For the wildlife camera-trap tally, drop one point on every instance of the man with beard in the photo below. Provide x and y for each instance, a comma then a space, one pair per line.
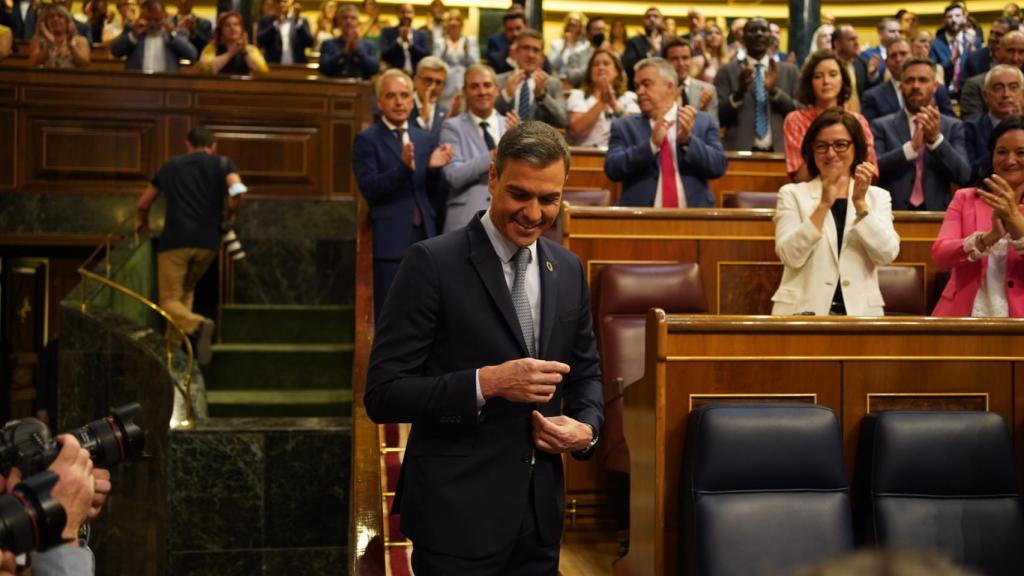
486, 346
152, 44
755, 93
665, 157
474, 137
886, 98
1009, 51
396, 167
529, 90
951, 46
646, 45
1004, 88
920, 152
401, 46
498, 45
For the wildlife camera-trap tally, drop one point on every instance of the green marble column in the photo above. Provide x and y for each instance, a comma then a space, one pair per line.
804, 16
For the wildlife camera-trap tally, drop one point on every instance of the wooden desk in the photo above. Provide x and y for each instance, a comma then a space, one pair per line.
854, 366
735, 248
90, 132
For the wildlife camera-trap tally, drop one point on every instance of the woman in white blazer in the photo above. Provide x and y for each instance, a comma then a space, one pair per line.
830, 269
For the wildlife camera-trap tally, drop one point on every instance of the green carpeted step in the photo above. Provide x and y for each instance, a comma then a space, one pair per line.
282, 323
279, 403
279, 367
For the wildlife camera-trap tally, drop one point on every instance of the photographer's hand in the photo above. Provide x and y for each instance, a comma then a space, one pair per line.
75, 487
7, 564
101, 478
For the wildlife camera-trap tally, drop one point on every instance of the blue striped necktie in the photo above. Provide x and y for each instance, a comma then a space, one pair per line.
525, 111
520, 300
760, 103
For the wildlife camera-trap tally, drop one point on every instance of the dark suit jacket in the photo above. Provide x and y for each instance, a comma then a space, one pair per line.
362, 63
630, 160
392, 190
976, 134
739, 122
440, 114
392, 53
22, 29
203, 35
978, 62
497, 53
636, 50
864, 82
942, 55
176, 47
869, 53
268, 38
881, 100
943, 166
466, 479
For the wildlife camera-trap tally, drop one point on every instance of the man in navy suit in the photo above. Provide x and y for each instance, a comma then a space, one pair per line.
284, 37
981, 60
886, 98
151, 44
20, 18
951, 47
888, 32
401, 46
1004, 88
920, 152
513, 22
1010, 51
486, 346
431, 75
646, 45
397, 168
349, 56
665, 157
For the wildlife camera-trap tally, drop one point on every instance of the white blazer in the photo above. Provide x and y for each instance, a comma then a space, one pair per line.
813, 265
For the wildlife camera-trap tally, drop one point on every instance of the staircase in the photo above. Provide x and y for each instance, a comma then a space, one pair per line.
281, 361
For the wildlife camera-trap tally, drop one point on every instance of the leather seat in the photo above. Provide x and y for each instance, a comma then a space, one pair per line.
942, 481
625, 293
750, 200
578, 197
902, 289
764, 489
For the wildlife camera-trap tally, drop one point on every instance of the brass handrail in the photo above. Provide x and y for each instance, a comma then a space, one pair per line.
85, 273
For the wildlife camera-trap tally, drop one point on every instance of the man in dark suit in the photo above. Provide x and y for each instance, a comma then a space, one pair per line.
1004, 88
888, 32
200, 30
513, 22
284, 37
401, 46
756, 87
982, 59
886, 98
397, 168
665, 157
920, 152
486, 346
427, 114
863, 73
1010, 51
20, 18
349, 56
152, 44
952, 45
646, 45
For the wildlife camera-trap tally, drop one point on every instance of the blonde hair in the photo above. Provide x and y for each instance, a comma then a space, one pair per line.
47, 9
577, 16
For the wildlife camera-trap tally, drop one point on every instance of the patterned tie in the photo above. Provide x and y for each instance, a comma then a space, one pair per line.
917, 192
669, 193
955, 57
760, 103
525, 111
488, 139
399, 132
520, 300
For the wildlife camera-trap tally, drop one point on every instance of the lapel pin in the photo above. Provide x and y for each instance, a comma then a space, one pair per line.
551, 267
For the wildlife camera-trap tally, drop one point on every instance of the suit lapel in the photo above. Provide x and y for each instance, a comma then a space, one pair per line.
548, 297
390, 142
487, 265
982, 215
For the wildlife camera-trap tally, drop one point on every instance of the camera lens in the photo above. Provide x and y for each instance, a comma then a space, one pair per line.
30, 519
114, 439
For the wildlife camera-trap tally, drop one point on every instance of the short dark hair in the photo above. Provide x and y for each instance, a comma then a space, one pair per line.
592, 20
1010, 22
917, 62
534, 142
151, 3
201, 138
1011, 123
952, 6
805, 88
513, 14
831, 117
676, 43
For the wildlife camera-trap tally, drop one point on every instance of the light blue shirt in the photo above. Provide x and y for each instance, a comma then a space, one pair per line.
64, 561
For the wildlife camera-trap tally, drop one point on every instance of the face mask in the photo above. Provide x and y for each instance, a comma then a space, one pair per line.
597, 40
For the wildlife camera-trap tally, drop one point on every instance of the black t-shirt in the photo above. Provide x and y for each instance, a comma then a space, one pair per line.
194, 187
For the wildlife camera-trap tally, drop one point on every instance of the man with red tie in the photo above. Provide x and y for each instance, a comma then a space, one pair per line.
920, 152
665, 157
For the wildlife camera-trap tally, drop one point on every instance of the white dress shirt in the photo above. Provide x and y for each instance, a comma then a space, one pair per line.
672, 116
765, 62
908, 148
991, 300
404, 127
492, 126
506, 250
153, 57
285, 29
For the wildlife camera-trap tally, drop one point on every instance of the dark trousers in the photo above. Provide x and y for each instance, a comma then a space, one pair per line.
384, 272
526, 556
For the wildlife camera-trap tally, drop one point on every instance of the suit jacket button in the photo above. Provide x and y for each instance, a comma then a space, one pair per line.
846, 283
526, 459
1010, 284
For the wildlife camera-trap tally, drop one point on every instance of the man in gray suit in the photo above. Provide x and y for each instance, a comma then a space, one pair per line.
152, 44
755, 94
528, 90
697, 93
474, 136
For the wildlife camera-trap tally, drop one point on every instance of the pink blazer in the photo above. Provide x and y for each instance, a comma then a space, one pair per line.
967, 214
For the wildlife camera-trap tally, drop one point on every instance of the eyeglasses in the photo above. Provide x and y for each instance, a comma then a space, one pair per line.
839, 146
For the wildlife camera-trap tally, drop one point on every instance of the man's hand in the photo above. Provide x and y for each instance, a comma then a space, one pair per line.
102, 484
142, 222
874, 64
660, 130
441, 156
512, 83
770, 77
746, 80
409, 156
523, 380
456, 105
139, 27
75, 487
403, 33
559, 434
686, 120
8, 565
705, 99
540, 83
512, 119
930, 122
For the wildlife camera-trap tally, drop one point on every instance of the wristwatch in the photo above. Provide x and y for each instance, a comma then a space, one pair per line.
590, 447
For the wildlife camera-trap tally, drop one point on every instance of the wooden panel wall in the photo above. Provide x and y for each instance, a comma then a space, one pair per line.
94, 132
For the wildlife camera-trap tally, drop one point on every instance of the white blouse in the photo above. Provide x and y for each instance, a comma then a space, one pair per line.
991, 301
602, 130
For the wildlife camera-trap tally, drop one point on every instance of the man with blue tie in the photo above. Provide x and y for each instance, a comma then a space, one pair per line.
473, 136
665, 157
886, 98
921, 153
528, 90
396, 170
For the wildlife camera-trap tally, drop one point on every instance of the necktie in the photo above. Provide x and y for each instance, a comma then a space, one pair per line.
399, 132
488, 139
760, 103
683, 89
525, 112
957, 51
520, 300
917, 192
669, 193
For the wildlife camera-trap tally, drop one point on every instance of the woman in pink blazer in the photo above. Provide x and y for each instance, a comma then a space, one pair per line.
982, 236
